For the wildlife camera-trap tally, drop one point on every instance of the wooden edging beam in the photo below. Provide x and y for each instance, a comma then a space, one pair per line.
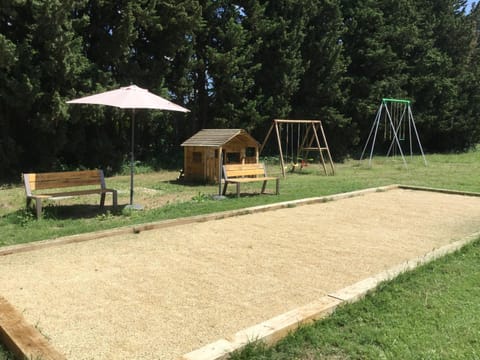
442, 191
21, 338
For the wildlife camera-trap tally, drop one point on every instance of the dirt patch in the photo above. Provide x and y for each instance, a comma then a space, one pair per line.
152, 199
162, 293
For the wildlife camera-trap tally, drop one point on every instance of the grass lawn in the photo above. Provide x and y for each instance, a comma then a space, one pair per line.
164, 198
365, 328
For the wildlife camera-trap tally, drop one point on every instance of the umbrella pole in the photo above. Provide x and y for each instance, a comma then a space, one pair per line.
133, 206
132, 160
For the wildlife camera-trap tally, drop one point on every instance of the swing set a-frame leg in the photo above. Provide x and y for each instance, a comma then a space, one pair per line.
327, 148
395, 136
373, 131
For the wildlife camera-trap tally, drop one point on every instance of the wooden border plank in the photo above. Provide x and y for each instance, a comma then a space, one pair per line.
218, 350
21, 338
355, 291
274, 329
442, 191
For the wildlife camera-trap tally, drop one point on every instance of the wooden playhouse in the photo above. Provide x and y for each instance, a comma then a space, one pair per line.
201, 160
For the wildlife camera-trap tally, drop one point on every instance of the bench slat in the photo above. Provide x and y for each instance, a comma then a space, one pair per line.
240, 173
39, 181
245, 180
72, 193
244, 166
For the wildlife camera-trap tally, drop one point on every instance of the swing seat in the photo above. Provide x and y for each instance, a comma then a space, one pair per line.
302, 164
297, 165
293, 167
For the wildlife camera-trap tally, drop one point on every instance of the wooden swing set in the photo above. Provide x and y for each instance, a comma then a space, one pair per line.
301, 138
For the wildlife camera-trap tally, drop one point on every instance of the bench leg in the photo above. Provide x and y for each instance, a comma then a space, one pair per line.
102, 200
225, 188
114, 200
38, 207
264, 186
238, 190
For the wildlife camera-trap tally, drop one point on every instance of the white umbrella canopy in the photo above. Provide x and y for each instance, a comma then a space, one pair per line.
130, 97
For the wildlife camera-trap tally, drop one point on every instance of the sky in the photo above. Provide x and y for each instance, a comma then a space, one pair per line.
470, 2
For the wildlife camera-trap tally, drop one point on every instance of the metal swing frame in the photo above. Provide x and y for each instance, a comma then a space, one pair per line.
394, 123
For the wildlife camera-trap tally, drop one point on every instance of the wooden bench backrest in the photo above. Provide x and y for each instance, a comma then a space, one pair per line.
39, 181
242, 170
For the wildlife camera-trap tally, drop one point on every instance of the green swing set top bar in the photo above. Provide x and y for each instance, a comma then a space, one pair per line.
396, 100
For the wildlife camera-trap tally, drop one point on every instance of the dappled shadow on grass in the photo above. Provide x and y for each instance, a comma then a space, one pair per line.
247, 195
305, 172
77, 211
187, 183
60, 212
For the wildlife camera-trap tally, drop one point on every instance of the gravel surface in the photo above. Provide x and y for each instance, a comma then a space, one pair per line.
160, 294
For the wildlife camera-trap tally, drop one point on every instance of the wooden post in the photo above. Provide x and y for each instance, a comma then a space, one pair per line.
328, 149
219, 177
320, 149
282, 163
266, 137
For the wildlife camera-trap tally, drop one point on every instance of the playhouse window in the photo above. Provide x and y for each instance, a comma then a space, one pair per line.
250, 152
233, 158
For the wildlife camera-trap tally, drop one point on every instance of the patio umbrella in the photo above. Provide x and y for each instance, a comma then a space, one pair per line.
130, 97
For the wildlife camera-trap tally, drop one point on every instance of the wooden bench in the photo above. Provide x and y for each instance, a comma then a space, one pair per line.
245, 173
66, 179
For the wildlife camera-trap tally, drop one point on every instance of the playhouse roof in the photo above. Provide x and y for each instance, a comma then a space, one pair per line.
218, 137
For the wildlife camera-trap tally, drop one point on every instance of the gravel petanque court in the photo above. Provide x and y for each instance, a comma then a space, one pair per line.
162, 293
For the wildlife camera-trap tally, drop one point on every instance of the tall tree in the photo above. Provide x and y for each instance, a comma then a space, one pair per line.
470, 83
144, 43
224, 66
160, 61
234, 64
413, 49
378, 40
44, 66
323, 92
440, 73
283, 31
9, 148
